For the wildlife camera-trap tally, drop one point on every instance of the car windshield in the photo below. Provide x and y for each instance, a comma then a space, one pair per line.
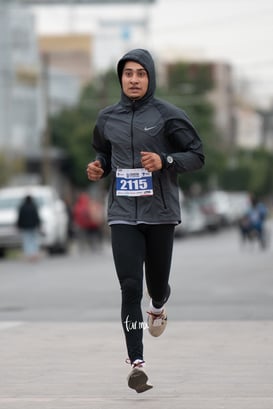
14, 202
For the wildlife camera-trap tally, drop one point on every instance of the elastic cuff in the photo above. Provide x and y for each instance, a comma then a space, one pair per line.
163, 160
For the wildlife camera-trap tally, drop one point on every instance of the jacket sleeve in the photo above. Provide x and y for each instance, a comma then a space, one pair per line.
186, 145
103, 150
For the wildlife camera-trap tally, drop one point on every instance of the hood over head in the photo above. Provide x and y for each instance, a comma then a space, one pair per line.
144, 58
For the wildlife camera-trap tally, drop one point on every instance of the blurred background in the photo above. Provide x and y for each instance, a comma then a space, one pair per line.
214, 59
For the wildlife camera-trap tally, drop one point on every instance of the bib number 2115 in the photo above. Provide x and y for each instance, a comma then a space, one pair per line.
134, 182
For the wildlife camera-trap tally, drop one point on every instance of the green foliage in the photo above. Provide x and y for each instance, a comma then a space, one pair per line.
251, 171
191, 78
72, 128
186, 88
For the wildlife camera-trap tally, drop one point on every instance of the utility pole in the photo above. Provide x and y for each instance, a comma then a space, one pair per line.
46, 137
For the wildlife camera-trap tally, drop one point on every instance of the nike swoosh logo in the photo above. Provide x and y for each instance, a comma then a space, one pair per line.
149, 128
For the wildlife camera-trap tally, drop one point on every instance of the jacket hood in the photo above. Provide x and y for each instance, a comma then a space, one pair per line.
144, 58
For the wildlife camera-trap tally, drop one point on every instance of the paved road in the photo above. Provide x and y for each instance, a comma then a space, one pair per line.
212, 278
194, 365
62, 347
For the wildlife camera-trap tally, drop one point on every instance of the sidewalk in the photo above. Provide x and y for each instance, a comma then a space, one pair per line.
194, 365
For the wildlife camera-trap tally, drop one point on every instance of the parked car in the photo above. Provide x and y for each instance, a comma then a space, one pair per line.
216, 208
239, 205
52, 211
193, 219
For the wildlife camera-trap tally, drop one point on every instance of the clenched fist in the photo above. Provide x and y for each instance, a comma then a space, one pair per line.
151, 161
94, 170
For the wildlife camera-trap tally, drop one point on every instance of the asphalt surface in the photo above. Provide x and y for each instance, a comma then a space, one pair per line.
62, 346
193, 365
212, 278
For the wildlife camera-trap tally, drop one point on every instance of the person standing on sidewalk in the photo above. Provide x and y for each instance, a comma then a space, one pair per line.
28, 223
143, 143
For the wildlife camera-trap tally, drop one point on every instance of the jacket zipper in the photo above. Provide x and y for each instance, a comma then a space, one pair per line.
132, 134
133, 152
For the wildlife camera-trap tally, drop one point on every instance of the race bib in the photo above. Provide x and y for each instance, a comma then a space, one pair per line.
134, 182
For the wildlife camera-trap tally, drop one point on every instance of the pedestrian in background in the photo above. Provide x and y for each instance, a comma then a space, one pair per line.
252, 225
28, 223
143, 143
88, 219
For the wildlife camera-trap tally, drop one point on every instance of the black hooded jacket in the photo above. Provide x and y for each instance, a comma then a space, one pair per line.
125, 129
28, 216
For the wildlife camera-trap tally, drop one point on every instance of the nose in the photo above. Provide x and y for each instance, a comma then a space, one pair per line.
134, 78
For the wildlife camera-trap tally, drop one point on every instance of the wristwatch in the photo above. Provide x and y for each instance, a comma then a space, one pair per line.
169, 160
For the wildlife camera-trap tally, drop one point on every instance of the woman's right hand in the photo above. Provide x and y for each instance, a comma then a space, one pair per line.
94, 171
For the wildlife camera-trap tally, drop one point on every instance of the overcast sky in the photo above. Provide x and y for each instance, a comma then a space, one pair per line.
236, 31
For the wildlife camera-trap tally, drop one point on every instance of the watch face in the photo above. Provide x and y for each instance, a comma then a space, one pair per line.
169, 159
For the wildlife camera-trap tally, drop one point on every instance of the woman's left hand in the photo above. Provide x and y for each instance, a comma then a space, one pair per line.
151, 161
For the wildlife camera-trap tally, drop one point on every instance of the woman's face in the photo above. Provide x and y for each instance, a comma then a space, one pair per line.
134, 80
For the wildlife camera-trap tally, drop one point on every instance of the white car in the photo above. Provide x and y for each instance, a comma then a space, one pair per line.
193, 220
52, 211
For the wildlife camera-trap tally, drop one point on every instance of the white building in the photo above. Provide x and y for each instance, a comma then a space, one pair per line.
21, 119
115, 36
30, 90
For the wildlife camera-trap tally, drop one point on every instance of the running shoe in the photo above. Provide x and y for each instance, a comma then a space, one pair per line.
157, 323
137, 378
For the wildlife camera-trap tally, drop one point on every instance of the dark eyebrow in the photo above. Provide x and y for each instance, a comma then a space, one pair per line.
132, 69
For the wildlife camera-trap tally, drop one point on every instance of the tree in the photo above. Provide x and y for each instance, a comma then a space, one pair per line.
187, 87
72, 128
250, 171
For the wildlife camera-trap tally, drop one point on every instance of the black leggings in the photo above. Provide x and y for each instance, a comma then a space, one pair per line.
134, 246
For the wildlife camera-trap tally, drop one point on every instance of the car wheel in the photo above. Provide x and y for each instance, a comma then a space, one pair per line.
63, 248
51, 250
60, 248
2, 252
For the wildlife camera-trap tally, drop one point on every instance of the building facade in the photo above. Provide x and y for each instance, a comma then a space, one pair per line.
21, 112
71, 54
